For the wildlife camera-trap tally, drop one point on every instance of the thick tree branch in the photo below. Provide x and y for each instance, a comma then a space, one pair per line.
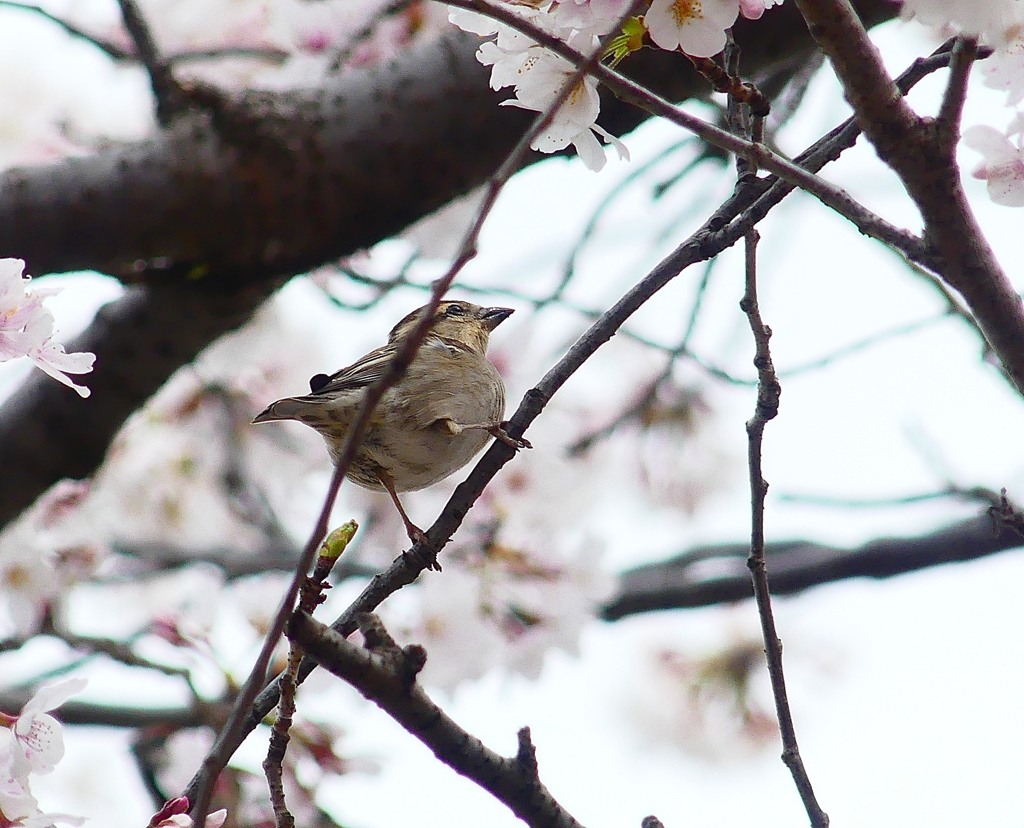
718, 574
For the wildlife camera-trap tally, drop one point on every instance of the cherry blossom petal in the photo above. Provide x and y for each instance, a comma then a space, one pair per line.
38, 734
590, 150
992, 19
472, 22
1005, 69
753, 9
1003, 166
26, 327
695, 26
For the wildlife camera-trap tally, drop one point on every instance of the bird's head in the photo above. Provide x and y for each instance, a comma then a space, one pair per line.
456, 321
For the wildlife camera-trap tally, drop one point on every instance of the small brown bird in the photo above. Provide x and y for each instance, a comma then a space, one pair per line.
431, 422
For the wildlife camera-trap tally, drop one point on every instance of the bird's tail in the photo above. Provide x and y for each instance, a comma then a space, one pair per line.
287, 409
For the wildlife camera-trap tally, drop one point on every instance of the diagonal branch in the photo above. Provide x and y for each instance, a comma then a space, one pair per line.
386, 675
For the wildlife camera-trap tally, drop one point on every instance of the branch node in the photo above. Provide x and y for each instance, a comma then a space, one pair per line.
526, 755
1007, 515
376, 637
414, 657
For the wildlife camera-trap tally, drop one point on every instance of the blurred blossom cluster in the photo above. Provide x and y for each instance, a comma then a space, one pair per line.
503, 607
48, 113
47, 550
713, 704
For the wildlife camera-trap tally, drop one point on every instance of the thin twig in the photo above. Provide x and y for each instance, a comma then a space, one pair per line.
768, 393
105, 46
170, 96
311, 596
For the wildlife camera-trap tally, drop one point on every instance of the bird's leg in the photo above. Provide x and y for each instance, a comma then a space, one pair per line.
496, 430
416, 535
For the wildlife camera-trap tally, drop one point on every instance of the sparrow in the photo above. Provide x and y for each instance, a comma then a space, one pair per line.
430, 423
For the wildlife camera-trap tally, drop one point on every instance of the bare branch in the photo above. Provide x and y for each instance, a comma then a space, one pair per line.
170, 96
710, 575
386, 676
768, 393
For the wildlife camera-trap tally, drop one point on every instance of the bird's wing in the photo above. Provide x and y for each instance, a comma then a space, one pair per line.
364, 371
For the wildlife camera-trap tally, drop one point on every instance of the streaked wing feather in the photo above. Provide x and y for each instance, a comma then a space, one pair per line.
364, 371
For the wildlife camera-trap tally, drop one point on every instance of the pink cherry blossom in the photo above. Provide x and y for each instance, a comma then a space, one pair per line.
26, 328
1005, 69
753, 9
37, 734
174, 814
16, 801
1003, 164
34, 744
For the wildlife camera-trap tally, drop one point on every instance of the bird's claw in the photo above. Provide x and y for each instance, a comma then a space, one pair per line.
498, 433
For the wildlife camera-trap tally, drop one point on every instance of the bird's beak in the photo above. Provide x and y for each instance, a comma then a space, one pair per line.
492, 317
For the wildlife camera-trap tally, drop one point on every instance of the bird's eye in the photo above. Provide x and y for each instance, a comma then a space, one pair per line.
455, 310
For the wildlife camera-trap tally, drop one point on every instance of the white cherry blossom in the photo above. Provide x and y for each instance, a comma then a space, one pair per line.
37, 734
542, 76
1005, 69
26, 328
537, 75
695, 26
